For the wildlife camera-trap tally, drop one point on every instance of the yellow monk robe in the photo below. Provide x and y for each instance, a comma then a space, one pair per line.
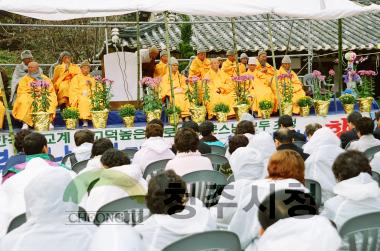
160, 70
80, 93
298, 91
229, 67
179, 86
242, 69
62, 80
259, 91
199, 68
2, 112
22, 108
220, 81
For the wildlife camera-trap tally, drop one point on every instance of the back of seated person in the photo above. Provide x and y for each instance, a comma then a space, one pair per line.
366, 140
284, 141
235, 142
376, 132
310, 129
202, 147
247, 128
207, 129
289, 221
19, 145
98, 148
286, 122
83, 141
188, 159
351, 134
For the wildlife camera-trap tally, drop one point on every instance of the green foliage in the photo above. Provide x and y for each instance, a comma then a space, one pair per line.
320, 94
70, 113
193, 92
265, 105
151, 100
286, 90
101, 95
221, 107
347, 99
127, 110
185, 45
366, 89
172, 110
305, 102
40, 95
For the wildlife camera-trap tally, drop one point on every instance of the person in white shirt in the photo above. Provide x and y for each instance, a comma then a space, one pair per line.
52, 222
247, 163
98, 148
285, 226
188, 159
83, 141
173, 214
154, 148
118, 179
246, 128
356, 192
366, 140
323, 147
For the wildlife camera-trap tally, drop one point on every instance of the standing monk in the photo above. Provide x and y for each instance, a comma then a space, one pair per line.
81, 91
148, 61
63, 74
229, 66
162, 67
200, 65
221, 88
22, 108
243, 63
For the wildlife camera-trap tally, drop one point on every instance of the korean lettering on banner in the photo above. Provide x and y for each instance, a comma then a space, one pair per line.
338, 125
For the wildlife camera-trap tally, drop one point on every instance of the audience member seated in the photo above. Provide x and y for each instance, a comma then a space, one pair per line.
285, 171
118, 179
188, 159
20, 156
98, 148
236, 142
207, 129
351, 134
286, 121
51, 222
202, 147
173, 215
324, 148
357, 192
365, 133
154, 148
35, 146
247, 128
156, 121
83, 141
375, 162
293, 224
376, 132
247, 163
284, 141
311, 128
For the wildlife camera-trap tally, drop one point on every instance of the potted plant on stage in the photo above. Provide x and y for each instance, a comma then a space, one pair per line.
305, 103
40, 105
365, 90
242, 84
321, 95
348, 101
127, 113
71, 116
197, 94
286, 92
100, 101
266, 107
152, 104
173, 113
221, 110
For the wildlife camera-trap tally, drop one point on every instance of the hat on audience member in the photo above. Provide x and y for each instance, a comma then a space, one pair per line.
26, 54
286, 60
252, 60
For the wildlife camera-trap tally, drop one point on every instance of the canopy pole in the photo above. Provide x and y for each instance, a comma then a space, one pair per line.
274, 63
167, 40
138, 47
8, 115
340, 55
235, 45
309, 49
106, 35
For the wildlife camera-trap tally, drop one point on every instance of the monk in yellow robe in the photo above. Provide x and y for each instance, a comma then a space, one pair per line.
229, 66
243, 63
63, 74
221, 88
81, 91
200, 65
22, 108
179, 87
297, 85
162, 67
258, 90
2, 112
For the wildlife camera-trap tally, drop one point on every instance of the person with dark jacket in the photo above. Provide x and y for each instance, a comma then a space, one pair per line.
286, 121
284, 141
351, 134
376, 132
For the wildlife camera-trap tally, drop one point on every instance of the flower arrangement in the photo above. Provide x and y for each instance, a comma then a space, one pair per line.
366, 88
221, 107
305, 102
319, 93
127, 110
101, 94
286, 87
242, 84
197, 92
40, 94
70, 113
265, 105
151, 100
347, 99
173, 110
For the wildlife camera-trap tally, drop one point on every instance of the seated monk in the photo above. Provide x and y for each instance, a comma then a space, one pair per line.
179, 87
243, 63
229, 66
2, 112
200, 65
63, 74
81, 91
221, 88
22, 108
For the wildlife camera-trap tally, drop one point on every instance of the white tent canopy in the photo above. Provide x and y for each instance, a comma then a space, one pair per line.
72, 9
